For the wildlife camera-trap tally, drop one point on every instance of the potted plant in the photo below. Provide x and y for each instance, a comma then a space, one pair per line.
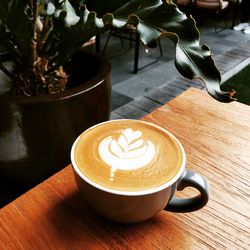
46, 102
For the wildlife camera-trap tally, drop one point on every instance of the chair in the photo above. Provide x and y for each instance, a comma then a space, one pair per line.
184, 2
235, 4
133, 36
186, 6
213, 5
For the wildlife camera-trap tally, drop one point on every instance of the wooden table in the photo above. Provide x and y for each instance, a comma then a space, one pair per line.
216, 137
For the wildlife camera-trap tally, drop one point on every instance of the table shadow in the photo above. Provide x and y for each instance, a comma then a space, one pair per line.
74, 221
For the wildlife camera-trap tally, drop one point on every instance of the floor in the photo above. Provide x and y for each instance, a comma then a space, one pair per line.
135, 95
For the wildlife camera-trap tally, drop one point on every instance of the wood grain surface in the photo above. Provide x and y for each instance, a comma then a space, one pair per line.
216, 138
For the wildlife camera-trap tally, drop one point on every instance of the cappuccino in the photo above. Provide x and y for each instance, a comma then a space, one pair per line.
128, 155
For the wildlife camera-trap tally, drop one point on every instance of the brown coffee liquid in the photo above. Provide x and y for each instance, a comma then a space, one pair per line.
128, 155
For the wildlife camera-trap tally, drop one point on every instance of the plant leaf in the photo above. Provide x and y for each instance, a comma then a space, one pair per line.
16, 16
165, 20
153, 19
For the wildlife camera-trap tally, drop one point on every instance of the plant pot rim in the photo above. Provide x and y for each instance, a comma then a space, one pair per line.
96, 80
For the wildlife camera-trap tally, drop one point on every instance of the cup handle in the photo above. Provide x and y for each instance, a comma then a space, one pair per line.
183, 205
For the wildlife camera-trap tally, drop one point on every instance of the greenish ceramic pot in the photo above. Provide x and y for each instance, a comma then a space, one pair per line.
36, 133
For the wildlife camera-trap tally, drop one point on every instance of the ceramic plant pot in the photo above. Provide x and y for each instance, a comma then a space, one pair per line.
36, 133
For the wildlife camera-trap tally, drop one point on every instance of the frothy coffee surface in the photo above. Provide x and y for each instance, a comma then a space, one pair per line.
128, 155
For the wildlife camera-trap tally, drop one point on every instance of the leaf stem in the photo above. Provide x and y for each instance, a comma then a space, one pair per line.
34, 42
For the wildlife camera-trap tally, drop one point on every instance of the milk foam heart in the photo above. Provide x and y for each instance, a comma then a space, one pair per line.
129, 152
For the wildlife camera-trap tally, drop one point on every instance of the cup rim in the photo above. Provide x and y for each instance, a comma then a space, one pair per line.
122, 192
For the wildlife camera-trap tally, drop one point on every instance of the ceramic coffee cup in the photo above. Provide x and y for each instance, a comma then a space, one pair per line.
129, 170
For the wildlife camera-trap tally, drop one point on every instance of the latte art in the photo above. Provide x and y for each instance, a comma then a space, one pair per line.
128, 155
129, 152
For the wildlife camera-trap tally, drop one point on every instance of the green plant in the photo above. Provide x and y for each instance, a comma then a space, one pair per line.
41, 35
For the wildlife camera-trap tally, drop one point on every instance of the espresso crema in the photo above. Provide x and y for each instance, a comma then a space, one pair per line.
128, 155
